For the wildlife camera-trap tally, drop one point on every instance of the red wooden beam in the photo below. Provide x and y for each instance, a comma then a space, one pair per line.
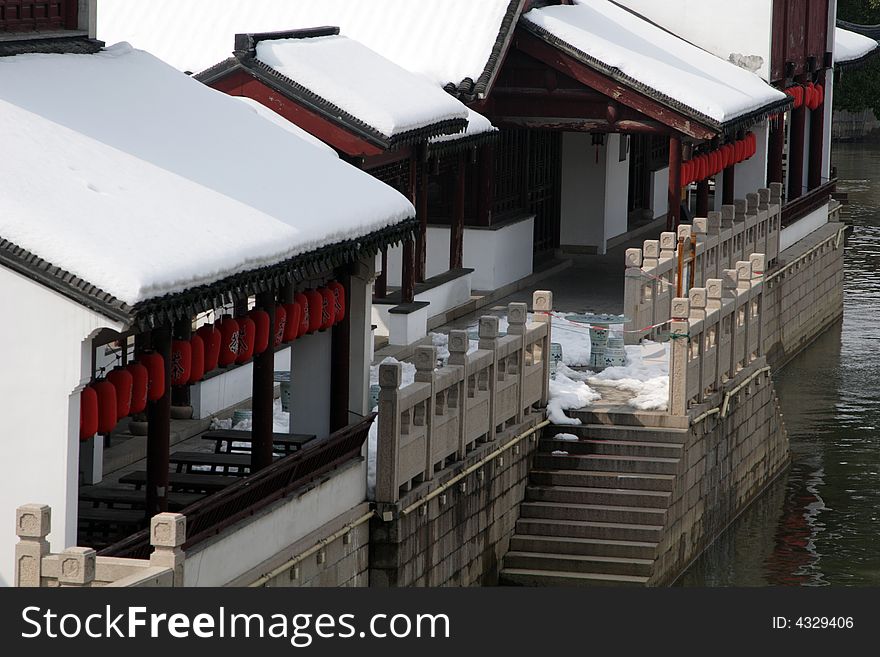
240, 83
672, 219
580, 125
560, 61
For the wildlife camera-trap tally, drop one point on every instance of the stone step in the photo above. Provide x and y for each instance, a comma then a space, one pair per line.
602, 479
609, 496
613, 531
613, 447
607, 462
524, 577
593, 513
578, 563
622, 432
584, 546
652, 419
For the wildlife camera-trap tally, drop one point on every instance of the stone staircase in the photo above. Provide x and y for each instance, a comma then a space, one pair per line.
594, 516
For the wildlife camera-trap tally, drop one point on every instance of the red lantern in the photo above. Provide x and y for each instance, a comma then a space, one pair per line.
738, 151
181, 362
753, 143
821, 89
294, 319
88, 413
316, 308
731, 155
212, 339
328, 308
140, 382
261, 330
685, 174
107, 406
197, 346
704, 166
123, 381
156, 370
339, 291
304, 320
716, 162
247, 333
280, 325
229, 330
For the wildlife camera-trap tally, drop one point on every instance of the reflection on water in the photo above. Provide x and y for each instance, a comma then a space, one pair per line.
820, 523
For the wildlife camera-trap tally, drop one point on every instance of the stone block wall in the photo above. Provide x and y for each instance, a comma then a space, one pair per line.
460, 536
805, 298
727, 462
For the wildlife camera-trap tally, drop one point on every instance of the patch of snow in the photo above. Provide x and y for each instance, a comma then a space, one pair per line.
645, 376
567, 394
361, 82
281, 122
656, 58
408, 376
443, 40
477, 125
559, 452
569, 437
154, 155
851, 45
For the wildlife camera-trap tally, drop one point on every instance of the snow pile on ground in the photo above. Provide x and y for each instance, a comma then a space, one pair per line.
646, 376
574, 338
567, 394
568, 437
280, 421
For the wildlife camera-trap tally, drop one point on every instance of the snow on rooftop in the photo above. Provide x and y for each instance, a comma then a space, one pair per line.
657, 59
277, 119
362, 83
143, 181
443, 40
477, 125
849, 46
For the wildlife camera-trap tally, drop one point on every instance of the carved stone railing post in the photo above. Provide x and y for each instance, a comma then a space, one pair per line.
678, 362
542, 304
517, 316
167, 536
776, 193
459, 343
425, 360
33, 522
76, 567
632, 294
714, 293
489, 330
388, 447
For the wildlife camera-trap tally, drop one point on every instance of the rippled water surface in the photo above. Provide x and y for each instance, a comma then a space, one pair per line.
820, 523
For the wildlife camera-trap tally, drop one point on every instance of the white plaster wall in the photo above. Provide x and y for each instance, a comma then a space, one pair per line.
46, 361
310, 384
616, 190
660, 192
583, 192
230, 388
261, 538
800, 229
723, 29
751, 175
826, 143
360, 302
499, 257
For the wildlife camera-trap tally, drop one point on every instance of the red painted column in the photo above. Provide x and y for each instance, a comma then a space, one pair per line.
381, 286
777, 150
796, 153
702, 198
487, 185
456, 232
263, 393
674, 216
817, 142
408, 271
422, 235
159, 431
728, 185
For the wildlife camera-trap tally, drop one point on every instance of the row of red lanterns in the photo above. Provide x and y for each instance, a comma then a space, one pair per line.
126, 390
711, 164
811, 95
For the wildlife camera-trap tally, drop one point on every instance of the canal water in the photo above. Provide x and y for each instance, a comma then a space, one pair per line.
819, 524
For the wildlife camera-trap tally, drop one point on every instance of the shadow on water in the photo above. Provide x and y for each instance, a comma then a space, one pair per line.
818, 524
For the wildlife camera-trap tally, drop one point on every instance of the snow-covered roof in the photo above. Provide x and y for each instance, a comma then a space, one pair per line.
851, 46
277, 119
457, 42
144, 182
351, 84
620, 43
478, 125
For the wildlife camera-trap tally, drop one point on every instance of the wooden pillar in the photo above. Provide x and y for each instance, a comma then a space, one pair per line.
728, 184
422, 236
381, 285
263, 393
340, 362
456, 231
180, 396
817, 142
486, 195
674, 215
159, 431
408, 271
777, 150
796, 153
703, 198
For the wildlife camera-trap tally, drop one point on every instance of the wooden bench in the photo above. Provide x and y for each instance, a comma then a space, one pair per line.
184, 481
218, 463
113, 498
285, 443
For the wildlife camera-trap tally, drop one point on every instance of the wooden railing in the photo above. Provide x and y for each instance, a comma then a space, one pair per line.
699, 252
215, 513
809, 202
38, 15
446, 412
